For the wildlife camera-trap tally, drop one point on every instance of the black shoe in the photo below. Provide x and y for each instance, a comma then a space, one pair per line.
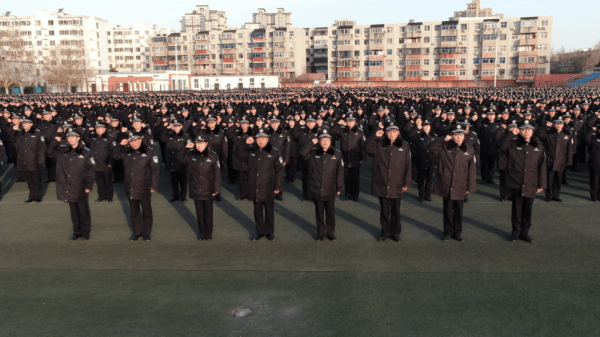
548, 199
428, 199
208, 238
396, 238
331, 237
320, 238
503, 199
109, 201
593, 199
146, 238
528, 239
421, 199
74, 237
458, 238
466, 199
240, 199
257, 238
99, 200
29, 200
513, 238
565, 183
280, 199
173, 199
445, 238
134, 237
85, 237
557, 199
183, 200
271, 237
382, 238
200, 238
47, 181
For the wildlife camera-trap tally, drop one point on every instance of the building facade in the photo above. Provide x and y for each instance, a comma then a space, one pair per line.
202, 18
465, 47
129, 46
272, 20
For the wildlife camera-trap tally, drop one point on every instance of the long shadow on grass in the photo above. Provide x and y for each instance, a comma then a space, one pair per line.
235, 213
183, 211
297, 220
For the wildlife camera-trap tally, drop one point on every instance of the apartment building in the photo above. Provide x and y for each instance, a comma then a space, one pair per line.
272, 20
202, 19
249, 50
129, 46
472, 45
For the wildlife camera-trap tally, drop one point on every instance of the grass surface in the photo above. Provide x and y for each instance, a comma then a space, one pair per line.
176, 285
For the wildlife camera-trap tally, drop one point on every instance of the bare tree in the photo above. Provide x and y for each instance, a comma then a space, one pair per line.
65, 64
17, 63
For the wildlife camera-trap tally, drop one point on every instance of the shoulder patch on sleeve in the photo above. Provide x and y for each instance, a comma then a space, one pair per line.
155, 159
280, 160
92, 160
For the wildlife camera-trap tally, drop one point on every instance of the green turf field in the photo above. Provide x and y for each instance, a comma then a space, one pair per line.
178, 286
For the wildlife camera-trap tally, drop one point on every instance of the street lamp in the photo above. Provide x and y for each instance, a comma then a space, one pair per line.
496, 36
177, 41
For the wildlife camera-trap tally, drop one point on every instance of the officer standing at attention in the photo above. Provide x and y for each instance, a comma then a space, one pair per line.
455, 178
392, 176
74, 180
31, 153
204, 178
525, 176
325, 181
141, 180
265, 172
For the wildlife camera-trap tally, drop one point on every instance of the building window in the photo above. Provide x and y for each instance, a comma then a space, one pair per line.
541, 71
503, 24
463, 26
476, 60
462, 72
426, 62
544, 23
425, 72
542, 47
544, 35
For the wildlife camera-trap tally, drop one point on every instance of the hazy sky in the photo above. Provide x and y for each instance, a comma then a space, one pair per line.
571, 18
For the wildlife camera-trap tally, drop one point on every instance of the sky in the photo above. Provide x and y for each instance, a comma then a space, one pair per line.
571, 18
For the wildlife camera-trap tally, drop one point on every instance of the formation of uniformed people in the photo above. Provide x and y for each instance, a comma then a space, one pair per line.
259, 139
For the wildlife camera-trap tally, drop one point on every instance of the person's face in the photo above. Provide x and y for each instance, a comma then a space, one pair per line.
325, 142
262, 141
491, 117
311, 125
27, 126
211, 124
73, 140
557, 126
137, 125
100, 131
177, 128
79, 121
319, 122
47, 117
526, 133
351, 123
244, 126
427, 128
392, 134
275, 125
135, 144
200, 146
458, 138
114, 124
451, 117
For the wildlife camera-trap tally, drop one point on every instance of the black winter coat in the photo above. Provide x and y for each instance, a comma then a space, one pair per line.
525, 165
74, 170
456, 169
265, 171
174, 142
141, 170
203, 172
392, 166
352, 143
325, 172
30, 147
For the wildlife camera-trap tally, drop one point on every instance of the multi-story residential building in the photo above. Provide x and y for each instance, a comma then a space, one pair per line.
129, 46
202, 19
43, 30
272, 20
468, 46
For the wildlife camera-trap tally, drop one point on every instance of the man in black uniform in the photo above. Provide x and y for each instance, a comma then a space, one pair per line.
325, 181
74, 180
593, 139
486, 129
392, 176
455, 178
280, 139
141, 180
352, 142
558, 144
420, 136
525, 176
175, 139
204, 178
31, 153
102, 146
265, 171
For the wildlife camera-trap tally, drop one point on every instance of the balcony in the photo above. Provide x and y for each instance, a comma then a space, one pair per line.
258, 60
201, 51
488, 66
413, 34
528, 42
527, 65
258, 50
448, 44
526, 78
204, 71
258, 39
448, 78
413, 67
159, 62
229, 71
345, 47
229, 51
228, 60
448, 67
201, 61
413, 56
528, 53
171, 52
414, 45
449, 32
375, 58
412, 78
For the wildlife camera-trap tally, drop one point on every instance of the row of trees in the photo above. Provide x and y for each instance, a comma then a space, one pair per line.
22, 64
565, 61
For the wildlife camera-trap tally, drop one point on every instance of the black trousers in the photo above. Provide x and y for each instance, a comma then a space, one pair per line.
595, 184
520, 217
279, 196
453, 210
324, 210
554, 183
163, 150
179, 184
21, 175
34, 183
105, 185
51, 168
119, 171
389, 218
488, 163
204, 213
304, 182
425, 182
291, 168
141, 215
504, 194
80, 216
232, 174
243, 176
352, 182
264, 216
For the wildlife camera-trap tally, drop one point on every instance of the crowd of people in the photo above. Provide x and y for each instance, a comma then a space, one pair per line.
260, 139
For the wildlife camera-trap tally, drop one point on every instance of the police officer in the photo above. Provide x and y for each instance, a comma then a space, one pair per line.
175, 139
31, 153
265, 171
141, 180
486, 129
525, 176
239, 134
217, 142
558, 144
305, 132
392, 176
280, 139
420, 136
325, 181
204, 178
592, 138
74, 180
102, 146
455, 178
352, 142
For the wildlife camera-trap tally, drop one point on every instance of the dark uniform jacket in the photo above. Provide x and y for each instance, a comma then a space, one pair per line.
74, 170
419, 141
174, 143
486, 131
203, 172
141, 170
102, 149
280, 139
31, 149
239, 139
325, 172
593, 139
456, 169
392, 166
525, 165
352, 143
265, 171
558, 147
217, 142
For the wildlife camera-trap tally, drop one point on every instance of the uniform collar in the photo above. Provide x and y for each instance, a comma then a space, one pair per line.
397, 142
320, 151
